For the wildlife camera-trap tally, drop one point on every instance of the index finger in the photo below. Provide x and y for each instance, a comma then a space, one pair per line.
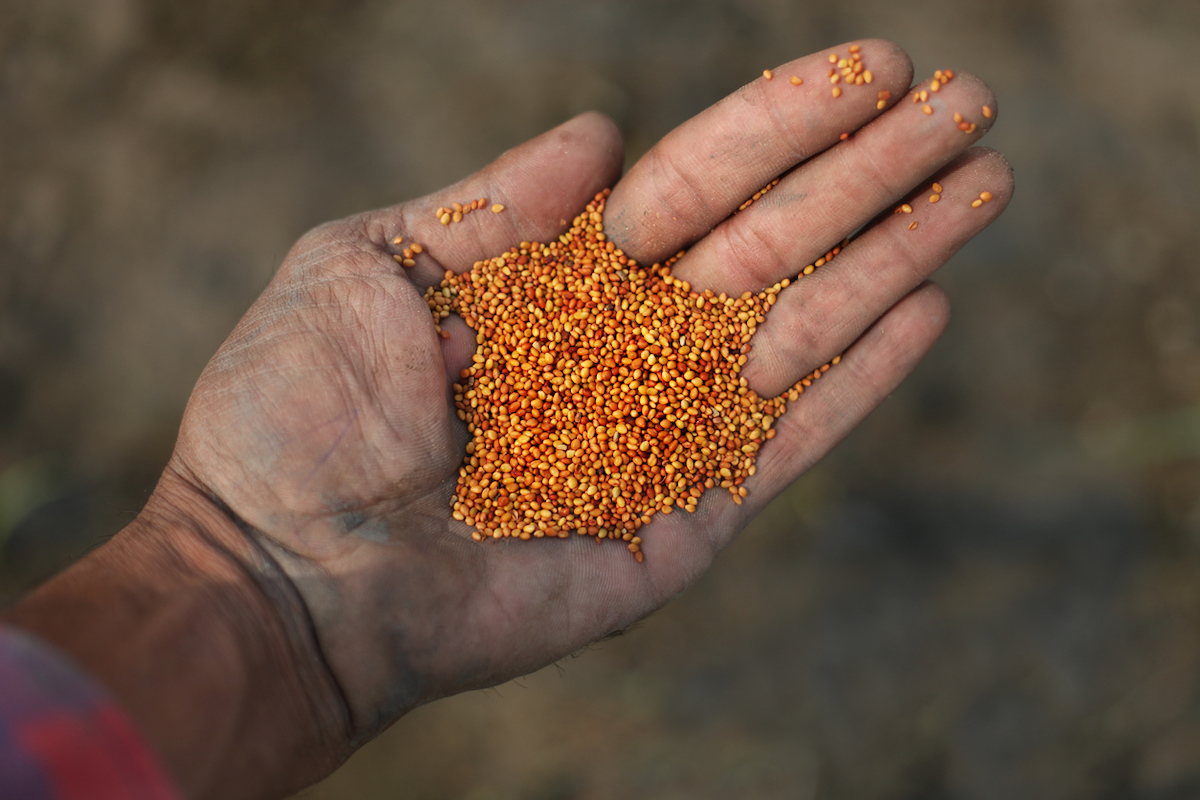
700, 173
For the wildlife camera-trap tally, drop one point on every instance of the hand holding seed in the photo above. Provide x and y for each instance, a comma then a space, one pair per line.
332, 426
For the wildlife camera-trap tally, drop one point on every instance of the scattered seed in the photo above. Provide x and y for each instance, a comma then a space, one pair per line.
795, 81
976, 203
768, 74
937, 187
844, 136
757, 195
935, 85
854, 48
416, 248
957, 117
913, 225
933, 198
985, 196
398, 240
497, 208
928, 109
987, 112
408, 262
444, 218
837, 91
833, 58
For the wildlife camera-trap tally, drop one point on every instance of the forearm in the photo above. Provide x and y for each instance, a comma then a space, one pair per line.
203, 641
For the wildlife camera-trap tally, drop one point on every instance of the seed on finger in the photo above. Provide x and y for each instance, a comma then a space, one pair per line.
757, 195
398, 240
768, 74
795, 81
913, 225
987, 112
837, 91
928, 109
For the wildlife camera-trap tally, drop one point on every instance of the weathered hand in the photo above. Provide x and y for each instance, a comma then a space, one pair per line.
325, 425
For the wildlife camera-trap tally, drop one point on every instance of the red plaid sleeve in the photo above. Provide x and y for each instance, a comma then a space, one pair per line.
62, 737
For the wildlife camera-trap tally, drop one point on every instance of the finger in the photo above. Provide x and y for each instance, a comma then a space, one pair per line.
830, 197
821, 314
703, 170
869, 371
541, 184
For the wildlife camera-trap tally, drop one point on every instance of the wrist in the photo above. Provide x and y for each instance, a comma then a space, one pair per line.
206, 644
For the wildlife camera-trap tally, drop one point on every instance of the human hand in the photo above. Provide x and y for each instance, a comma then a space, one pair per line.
324, 427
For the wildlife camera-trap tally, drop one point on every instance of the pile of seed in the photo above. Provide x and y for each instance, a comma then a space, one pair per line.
601, 392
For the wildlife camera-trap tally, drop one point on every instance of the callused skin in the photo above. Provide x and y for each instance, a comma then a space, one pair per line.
297, 582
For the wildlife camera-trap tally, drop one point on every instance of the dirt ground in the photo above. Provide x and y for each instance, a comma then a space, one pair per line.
990, 590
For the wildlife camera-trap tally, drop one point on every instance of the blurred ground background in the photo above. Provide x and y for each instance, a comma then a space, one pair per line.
991, 590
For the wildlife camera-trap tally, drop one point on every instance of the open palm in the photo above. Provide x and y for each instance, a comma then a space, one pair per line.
325, 424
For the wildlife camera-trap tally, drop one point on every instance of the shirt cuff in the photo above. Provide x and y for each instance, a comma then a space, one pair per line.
62, 737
